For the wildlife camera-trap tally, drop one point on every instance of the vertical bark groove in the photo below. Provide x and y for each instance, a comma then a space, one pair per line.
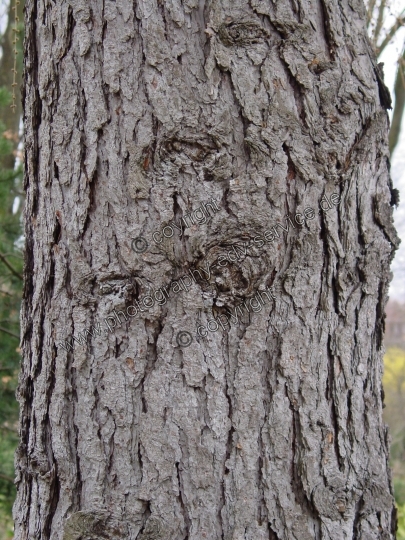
137, 114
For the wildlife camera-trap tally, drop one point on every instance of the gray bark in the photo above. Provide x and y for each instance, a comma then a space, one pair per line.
136, 113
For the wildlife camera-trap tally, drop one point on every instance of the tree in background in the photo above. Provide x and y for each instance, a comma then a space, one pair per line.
11, 42
10, 295
11, 262
381, 35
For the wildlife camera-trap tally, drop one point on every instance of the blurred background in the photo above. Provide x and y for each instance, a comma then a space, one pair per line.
11, 247
386, 26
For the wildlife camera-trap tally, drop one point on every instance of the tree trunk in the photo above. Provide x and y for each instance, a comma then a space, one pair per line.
399, 106
269, 119
10, 117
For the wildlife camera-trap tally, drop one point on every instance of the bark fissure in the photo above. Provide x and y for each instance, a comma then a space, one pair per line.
268, 426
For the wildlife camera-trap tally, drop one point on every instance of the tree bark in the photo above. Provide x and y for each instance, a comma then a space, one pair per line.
136, 114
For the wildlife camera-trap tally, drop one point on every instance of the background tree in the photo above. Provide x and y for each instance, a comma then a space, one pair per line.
10, 264
135, 115
11, 42
381, 35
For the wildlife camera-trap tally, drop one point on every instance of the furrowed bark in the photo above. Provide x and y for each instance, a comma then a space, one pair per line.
136, 114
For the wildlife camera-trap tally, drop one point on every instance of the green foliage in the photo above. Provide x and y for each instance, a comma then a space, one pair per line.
399, 490
8, 444
401, 522
10, 293
394, 370
5, 145
5, 97
11, 260
394, 388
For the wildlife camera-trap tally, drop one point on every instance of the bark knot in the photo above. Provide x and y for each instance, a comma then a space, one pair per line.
93, 525
241, 33
153, 530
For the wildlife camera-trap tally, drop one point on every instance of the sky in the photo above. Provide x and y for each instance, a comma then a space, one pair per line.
3, 15
390, 57
397, 287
